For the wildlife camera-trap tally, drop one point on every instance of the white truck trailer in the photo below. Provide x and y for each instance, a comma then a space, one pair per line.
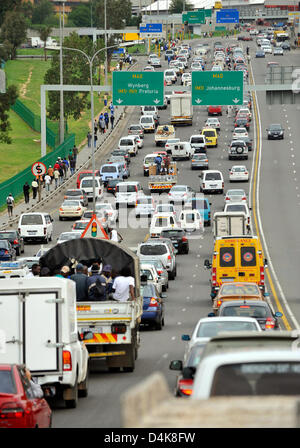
181, 108
229, 224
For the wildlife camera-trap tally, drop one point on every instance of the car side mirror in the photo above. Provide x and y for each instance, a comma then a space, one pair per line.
266, 294
278, 314
207, 264
211, 314
176, 365
185, 337
265, 263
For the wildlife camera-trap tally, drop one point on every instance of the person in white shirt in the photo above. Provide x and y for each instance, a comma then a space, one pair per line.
47, 182
123, 286
115, 236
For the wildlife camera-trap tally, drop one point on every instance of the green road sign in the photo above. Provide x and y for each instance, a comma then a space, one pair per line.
138, 88
217, 88
208, 12
194, 17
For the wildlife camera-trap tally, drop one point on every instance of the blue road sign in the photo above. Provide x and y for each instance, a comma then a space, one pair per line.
151, 28
228, 16
119, 51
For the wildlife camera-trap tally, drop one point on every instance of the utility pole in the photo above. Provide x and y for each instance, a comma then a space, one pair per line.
105, 41
61, 115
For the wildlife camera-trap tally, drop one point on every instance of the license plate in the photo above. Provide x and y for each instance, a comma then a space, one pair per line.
93, 330
212, 185
227, 279
31, 232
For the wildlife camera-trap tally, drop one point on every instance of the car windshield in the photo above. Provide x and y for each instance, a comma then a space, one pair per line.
126, 188
178, 188
108, 169
199, 157
80, 225
195, 355
275, 127
7, 235
236, 208
31, 219
143, 201
126, 142
165, 208
68, 236
74, 193
211, 329
172, 233
153, 249
87, 183
135, 128
249, 289
213, 176
161, 222
71, 204
256, 311
3, 244
7, 384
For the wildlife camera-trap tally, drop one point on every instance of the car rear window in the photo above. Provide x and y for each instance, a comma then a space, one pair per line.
147, 201
3, 244
147, 119
87, 183
31, 219
209, 330
213, 176
7, 384
172, 233
126, 142
162, 222
236, 208
248, 256
255, 311
209, 133
109, 169
73, 193
153, 249
126, 188
197, 140
7, 235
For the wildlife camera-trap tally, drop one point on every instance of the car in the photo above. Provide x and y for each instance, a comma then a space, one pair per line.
160, 269
232, 291
239, 132
130, 143
153, 306
136, 129
178, 237
161, 208
169, 53
144, 206
36, 226
100, 214
196, 67
190, 220
211, 136
238, 173
151, 57
285, 46
7, 252
211, 181
199, 161
148, 123
149, 68
238, 149
42, 250
160, 221
162, 249
67, 236
267, 49
111, 213
150, 272
208, 327
238, 207
257, 309
241, 122
214, 110
13, 236
272, 64
275, 131
28, 261
80, 225
248, 142
87, 184
198, 143
237, 195
19, 407
127, 193
155, 62
186, 79
212, 122
111, 185
170, 74
180, 193
85, 173
278, 51
260, 54
77, 194
187, 369
203, 206
71, 209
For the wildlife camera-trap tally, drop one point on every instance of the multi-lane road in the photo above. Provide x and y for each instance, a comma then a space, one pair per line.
274, 194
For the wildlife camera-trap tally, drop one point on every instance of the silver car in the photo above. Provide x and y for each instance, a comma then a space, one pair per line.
163, 250
161, 270
199, 162
235, 195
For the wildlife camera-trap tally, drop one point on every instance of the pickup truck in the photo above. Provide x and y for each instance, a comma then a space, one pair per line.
162, 182
110, 328
38, 317
163, 133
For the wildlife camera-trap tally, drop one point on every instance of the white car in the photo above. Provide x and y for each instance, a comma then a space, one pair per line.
165, 208
152, 274
190, 220
148, 123
180, 193
196, 67
155, 62
170, 74
267, 49
144, 206
238, 207
235, 195
80, 225
239, 132
139, 139
160, 221
216, 68
170, 143
112, 214
212, 122
149, 68
67, 236
186, 78
71, 209
238, 173
151, 57
211, 181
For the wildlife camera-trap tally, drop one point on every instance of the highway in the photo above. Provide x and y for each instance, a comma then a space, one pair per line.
275, 217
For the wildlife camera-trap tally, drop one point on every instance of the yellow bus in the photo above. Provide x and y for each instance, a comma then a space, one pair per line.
218, 5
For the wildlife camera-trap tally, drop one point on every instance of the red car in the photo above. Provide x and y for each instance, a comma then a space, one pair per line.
214, 110
17, 407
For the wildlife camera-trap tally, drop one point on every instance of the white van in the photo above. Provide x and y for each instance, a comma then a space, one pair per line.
160, 221
148, 123
211, 181
190, 220
150, 110
127, 193
182, 150
36, 226
198, 143
86, 184
130, 144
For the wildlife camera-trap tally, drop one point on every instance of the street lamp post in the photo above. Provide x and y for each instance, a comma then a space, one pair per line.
61, 115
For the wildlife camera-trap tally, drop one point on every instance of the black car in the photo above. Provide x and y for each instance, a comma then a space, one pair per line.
285, 46
187, 368
275, 131
15, 240
178, 238
258, 309
111, 185
242, 123
7, 252
121, 152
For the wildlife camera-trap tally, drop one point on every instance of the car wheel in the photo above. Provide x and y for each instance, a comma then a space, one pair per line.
17, 252
158, 325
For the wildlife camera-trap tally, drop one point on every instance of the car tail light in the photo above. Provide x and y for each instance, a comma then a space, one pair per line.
270, 323
118, 328
186, 386
222, 184
67, 360
153, 302
184, 238
81, 197
262, 275
169, 257
214, 277
227, 199
6, 251
61, 209
244, 198
45, 230
219, 303
11, 410
65, 197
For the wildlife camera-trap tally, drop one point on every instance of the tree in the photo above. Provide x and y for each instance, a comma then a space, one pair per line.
176, 6
8, 5
44, 33
13, 30
42, 12
6, 101
76, 70
80, 16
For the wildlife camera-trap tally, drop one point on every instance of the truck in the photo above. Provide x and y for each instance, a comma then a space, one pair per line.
229, 223
38, 319
163, 133
159, 183
181, 108
110, 328
150, 404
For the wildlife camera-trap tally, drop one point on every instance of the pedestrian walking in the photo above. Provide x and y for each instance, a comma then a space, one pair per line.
169, 59
67, 165
102, 124
95, 126
75, 152
56, 178
105, 99
72, 166
130, 59
106, 119
112, 108
26, 190
112, 119
61, 175
47, 183
95, 140
34, 186
89, 139
10, 202
50, 172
